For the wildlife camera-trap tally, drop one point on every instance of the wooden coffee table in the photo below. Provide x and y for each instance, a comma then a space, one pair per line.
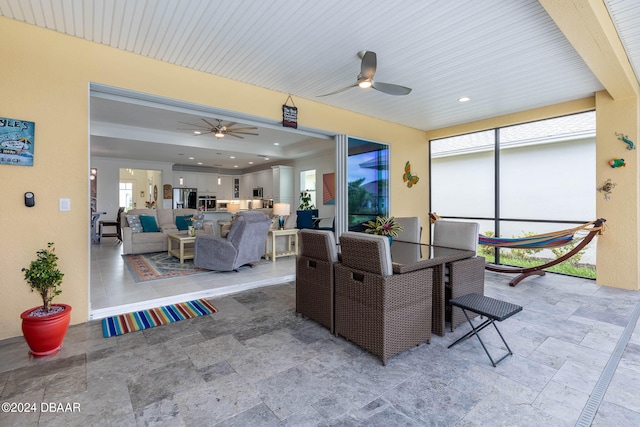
181, 252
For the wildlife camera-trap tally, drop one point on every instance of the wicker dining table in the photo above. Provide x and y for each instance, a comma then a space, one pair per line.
408, 256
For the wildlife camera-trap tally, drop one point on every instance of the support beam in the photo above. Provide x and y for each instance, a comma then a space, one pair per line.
589, 28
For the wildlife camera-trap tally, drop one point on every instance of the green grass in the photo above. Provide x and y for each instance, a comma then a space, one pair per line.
580, 270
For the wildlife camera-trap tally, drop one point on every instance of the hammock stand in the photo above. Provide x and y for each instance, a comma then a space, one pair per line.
549, 240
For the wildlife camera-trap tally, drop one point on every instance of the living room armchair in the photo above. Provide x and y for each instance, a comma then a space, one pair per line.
243, 245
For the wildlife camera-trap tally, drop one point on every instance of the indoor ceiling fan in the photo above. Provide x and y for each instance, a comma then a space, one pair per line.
365, 78
220, 129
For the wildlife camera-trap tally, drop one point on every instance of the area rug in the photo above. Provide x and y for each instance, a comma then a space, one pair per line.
145, 319
159, 265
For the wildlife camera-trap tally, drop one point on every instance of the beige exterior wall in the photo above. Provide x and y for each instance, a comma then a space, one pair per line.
45, 79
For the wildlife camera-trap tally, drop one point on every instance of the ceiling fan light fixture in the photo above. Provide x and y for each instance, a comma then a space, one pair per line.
365, 84
219, 134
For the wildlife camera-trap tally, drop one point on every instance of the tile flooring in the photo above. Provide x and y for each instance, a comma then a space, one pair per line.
114, 291
256, 363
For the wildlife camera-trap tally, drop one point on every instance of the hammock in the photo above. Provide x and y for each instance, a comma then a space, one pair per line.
541, 241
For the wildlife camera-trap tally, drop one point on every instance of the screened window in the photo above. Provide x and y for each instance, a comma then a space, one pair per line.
521, 180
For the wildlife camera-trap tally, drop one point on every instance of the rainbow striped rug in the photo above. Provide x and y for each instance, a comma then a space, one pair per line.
145, 319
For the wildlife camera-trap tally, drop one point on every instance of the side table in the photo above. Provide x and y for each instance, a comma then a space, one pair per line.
182, 252
292, 238
493, 309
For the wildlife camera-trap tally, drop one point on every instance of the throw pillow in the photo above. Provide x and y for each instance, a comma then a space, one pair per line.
134, 223
183, 222
149, 224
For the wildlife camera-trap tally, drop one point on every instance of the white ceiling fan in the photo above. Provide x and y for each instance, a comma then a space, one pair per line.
220, 130
365, 78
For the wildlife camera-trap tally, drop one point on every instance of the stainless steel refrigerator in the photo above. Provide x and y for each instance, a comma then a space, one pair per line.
185, 198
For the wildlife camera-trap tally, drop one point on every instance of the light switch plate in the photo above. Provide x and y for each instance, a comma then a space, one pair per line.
64, 205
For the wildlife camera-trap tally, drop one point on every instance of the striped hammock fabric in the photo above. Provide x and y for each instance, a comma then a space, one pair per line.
145, 319
549, 240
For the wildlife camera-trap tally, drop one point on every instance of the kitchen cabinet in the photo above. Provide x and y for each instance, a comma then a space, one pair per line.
264, 179
190, 179
246, 186
208, 183
282, 184
225, 189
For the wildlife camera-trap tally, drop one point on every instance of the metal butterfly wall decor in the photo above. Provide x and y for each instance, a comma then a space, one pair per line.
407, 177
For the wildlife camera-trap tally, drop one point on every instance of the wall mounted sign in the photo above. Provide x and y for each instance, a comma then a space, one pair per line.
16, 142
289, 114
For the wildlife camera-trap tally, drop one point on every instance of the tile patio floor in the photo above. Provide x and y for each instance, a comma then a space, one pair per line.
255, 363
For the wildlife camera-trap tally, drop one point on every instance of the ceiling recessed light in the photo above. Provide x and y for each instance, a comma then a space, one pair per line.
250, 163
235, 166
266, 158
232, 157
191, 158
464, 99
196, 132
199, 163
276, 143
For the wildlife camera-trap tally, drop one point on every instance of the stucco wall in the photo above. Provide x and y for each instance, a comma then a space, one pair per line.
45, 79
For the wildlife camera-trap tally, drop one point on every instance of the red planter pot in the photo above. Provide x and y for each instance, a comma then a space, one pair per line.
44, 335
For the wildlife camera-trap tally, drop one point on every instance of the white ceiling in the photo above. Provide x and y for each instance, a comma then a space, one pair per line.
507, 56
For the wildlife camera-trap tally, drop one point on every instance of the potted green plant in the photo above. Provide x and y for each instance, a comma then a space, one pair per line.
305, 201
44, 327
383, 226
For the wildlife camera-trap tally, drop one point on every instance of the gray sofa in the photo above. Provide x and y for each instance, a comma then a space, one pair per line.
141, 242
244, 244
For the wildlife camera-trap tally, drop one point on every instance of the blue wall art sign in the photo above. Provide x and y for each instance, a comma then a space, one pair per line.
16, 142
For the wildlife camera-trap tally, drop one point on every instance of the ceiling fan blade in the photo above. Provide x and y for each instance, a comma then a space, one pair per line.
234, 135
369, 64
191, 124
338, 91
233, 132
391, 89
245, 128
211, 124
230, 124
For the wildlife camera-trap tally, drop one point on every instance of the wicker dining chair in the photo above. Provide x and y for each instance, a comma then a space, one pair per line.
461, 277
383, 312
315, 275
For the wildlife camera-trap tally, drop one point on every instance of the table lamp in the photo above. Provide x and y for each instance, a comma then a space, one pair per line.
233, 208
282, 210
